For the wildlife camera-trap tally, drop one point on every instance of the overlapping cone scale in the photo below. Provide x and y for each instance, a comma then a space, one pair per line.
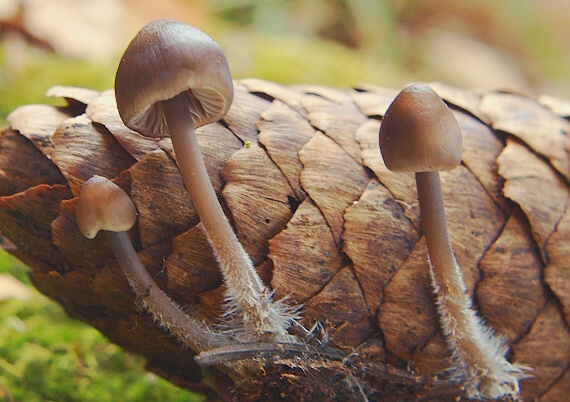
324, 220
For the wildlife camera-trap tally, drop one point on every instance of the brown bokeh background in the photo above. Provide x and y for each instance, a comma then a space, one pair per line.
521, 45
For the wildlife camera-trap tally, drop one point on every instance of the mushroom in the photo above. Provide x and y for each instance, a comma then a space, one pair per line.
102, 205
420, 134
174, 78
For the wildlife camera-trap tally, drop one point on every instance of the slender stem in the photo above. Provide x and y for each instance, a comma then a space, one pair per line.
190, 331
245, 287
447, 277
475, 349
434, 224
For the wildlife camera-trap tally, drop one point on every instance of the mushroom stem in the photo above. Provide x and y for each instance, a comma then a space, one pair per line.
245, 287
434, 224
190, 331
478, 352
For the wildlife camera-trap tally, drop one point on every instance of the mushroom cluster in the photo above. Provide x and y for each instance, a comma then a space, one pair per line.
420, 134
172, 79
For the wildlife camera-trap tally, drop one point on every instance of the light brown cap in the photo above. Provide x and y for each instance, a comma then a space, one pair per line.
419, 133
102, 205
167, 58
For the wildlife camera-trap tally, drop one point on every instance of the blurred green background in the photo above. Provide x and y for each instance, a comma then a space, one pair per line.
521, 45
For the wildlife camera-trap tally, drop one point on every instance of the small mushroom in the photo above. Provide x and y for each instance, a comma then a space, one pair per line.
172, 79
102, 205
420, 134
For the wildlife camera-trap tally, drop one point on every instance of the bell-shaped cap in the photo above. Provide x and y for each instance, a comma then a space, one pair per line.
102, 205
165, 59
419, 133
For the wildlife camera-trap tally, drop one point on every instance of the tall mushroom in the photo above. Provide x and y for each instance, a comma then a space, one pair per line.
420, 134
102, 205
172, 79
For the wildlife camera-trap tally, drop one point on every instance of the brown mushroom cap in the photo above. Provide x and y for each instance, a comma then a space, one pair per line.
167, 58
419, 133
102, 205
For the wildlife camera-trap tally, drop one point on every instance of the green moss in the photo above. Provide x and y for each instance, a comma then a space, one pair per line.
12, 266
45, 355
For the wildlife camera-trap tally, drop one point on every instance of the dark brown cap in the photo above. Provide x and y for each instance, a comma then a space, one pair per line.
167, 58
102, 205
419, 133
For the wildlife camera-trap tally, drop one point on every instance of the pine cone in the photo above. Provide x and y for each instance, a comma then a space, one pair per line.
299, 173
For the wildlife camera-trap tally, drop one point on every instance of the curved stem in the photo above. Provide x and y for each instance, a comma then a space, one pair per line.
190, 331
474, 347
244, 284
